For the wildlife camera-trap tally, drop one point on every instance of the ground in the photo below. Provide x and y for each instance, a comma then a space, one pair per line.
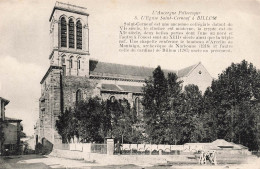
48, 162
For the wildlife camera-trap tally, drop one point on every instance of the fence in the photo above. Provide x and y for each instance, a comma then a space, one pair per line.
84, 147
153, 149
99, 148
62, 146
146, 149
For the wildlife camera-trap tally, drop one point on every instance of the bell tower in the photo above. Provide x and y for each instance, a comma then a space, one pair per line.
69, 39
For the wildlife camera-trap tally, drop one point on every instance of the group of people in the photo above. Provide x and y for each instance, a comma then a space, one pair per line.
210, 155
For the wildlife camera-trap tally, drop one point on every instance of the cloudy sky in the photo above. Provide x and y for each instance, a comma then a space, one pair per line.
24, 42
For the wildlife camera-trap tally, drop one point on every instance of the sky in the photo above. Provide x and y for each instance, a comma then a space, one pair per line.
24, 42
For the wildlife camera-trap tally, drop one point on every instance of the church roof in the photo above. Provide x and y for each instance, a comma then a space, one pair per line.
121, 88
134, 89
118, 70
110, 87
186, 71
104, 69
8, 119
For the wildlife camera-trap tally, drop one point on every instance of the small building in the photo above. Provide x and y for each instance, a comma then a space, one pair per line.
9, 130
220, 145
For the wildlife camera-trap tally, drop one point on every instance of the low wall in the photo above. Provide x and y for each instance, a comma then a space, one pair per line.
222, 158
123, 159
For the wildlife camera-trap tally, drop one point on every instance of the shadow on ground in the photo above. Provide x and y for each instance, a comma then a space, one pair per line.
7, 162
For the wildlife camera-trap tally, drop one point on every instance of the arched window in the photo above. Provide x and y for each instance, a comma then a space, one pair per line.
79, 35
112, 99
78, 96
63, 33
137, 105
71, 34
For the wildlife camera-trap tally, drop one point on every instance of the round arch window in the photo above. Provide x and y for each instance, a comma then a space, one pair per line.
112, 99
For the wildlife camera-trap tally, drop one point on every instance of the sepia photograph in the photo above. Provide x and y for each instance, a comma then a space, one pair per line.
122, 84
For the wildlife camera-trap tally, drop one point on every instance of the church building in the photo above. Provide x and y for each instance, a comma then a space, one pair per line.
73, 76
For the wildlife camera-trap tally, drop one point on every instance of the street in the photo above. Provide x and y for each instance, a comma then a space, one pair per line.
48, 162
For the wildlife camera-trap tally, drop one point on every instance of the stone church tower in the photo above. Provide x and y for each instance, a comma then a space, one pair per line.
69, 39
72, 76
69, 57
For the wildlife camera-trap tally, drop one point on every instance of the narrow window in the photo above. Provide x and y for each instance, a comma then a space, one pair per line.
137, 106
64, 70
71, 34
78, 96
63, 34
63, 60
71, 63
79, 35
63, 65
79, 64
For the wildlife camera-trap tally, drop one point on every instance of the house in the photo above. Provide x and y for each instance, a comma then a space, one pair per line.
9, 130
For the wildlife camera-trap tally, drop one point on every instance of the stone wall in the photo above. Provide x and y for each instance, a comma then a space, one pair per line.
70, 86
49, 104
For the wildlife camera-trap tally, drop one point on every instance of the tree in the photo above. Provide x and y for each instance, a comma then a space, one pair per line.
156, 107
175, 95
88, 114
66, 125
93, 120
106, 126
232, 95
123, 122
191, 117
209, 117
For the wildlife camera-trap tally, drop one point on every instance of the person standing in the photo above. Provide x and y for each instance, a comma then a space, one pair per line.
118, 148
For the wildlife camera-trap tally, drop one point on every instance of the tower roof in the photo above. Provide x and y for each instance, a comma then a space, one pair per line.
69, 8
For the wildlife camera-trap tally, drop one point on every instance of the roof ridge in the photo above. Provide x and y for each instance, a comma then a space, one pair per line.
121, 64
196, 65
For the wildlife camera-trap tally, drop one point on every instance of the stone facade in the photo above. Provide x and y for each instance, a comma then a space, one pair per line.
72, 75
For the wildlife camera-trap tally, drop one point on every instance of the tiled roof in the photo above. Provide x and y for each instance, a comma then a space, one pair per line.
121, 88
114, 70
110, 87
185, 71
121, 71
134, 89
222, 143
11, 119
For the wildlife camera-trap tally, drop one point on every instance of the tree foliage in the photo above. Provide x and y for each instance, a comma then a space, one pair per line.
93, 120
232, 100
162, 102
228, 110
